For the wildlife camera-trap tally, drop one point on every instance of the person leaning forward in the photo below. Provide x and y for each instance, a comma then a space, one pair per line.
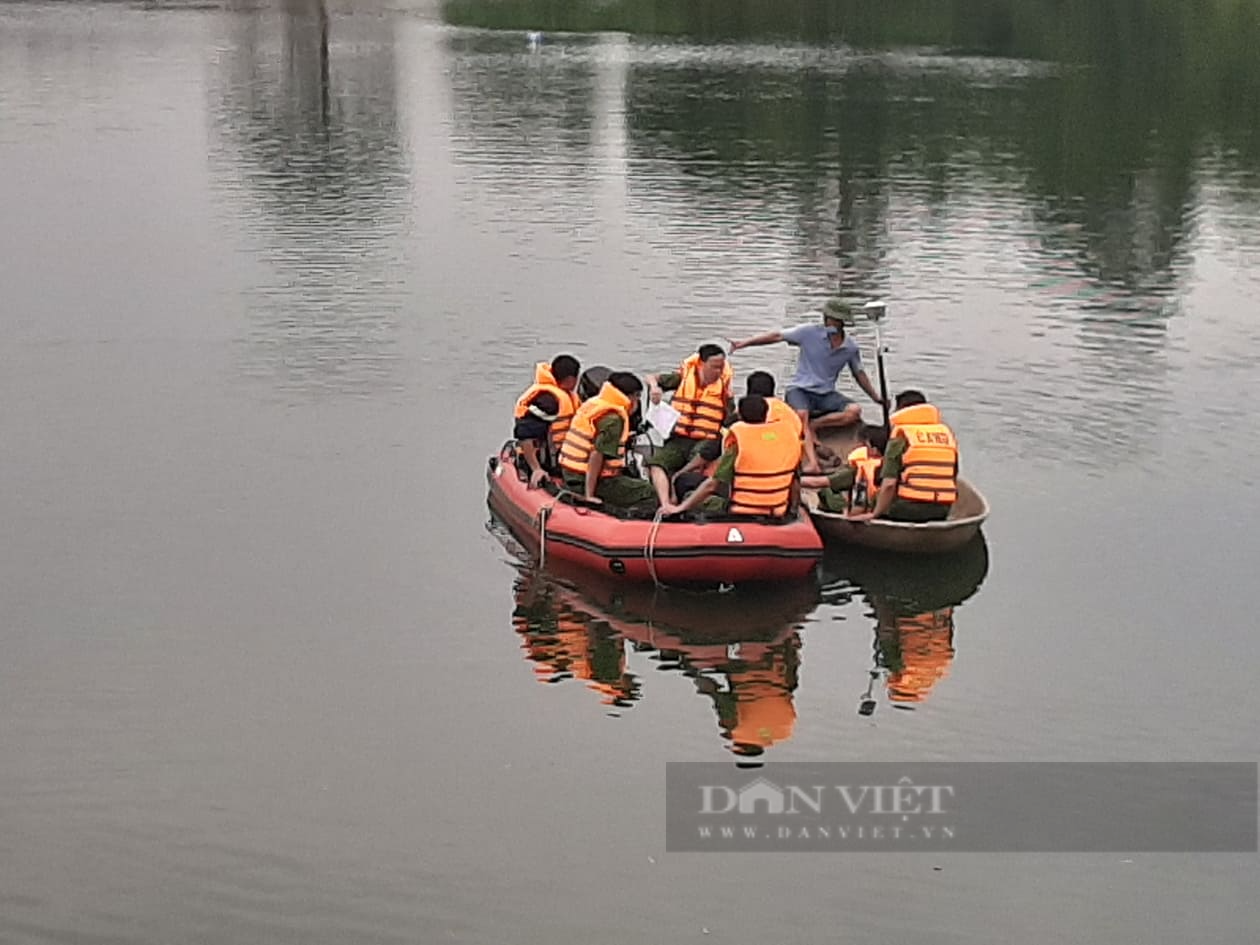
592, 457
759, 467
919, 474
702, 397
855, 485
543, 414
825, 350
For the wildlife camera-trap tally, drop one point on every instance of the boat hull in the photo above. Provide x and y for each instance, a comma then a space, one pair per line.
966, 516
635, 550
926, 538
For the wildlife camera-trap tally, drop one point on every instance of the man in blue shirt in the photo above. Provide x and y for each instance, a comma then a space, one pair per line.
824, 351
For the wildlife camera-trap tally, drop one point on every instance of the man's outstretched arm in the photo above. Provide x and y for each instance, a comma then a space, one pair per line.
769, 338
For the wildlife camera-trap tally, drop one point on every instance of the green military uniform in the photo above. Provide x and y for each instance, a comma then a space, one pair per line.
621, 491
835, 497
725, 474
677, 451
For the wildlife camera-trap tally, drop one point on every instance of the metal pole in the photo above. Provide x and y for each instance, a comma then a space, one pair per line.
883, 383
875, 312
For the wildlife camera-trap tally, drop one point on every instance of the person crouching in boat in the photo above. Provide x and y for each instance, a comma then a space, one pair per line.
593, 455
855, 484
919, 478
543, 414
759, 466
702, 397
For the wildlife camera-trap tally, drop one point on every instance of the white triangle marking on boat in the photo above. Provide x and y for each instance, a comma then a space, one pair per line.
734, 535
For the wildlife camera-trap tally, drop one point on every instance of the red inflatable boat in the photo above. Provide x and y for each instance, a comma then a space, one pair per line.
711, 550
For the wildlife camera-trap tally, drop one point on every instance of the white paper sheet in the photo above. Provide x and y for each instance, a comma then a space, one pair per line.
662, 417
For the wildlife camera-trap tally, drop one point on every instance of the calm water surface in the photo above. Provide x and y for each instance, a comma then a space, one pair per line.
267, 673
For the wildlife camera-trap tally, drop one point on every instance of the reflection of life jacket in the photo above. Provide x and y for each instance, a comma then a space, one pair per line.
571, 647
765, 468
702, 410
544, 380
579, 442
780, 412
761, 712
918, 651
865, 478
929, 466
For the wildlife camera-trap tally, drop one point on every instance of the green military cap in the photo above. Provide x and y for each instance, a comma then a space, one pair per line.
838, 311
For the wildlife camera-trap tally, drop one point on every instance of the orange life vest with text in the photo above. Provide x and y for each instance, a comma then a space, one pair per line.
579, 442
702, 410
780, 412
569, 402
765, 468
929, 466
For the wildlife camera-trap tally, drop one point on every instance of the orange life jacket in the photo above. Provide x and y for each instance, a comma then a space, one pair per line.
780, 412
765, 468
569, 402
575, 452
929, 466
702, 410
865, 482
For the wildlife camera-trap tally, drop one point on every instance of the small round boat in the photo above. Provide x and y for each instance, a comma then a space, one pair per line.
707, 550
966, 516
963, 524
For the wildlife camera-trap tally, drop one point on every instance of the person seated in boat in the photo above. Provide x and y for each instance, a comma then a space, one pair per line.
761, 383
689, 478
919, 477
855, 484
824, 351
702, 397
758, 469
543, 414
593, 455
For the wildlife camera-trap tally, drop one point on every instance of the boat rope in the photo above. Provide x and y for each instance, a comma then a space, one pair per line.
649, 547
544, 513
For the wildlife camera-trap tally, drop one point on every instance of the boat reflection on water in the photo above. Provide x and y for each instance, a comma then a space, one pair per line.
913, 602
740, 649
564, 642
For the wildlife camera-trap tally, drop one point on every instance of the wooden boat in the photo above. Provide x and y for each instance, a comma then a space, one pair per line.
710, 550
966, 516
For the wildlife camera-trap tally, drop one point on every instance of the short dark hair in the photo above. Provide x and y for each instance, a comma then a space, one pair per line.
626, 382
876, 435
762, 383
709, 351
565, 366
909, 398
753, 408
592, 380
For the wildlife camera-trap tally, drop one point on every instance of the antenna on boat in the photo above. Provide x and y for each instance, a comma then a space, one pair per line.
875, 312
